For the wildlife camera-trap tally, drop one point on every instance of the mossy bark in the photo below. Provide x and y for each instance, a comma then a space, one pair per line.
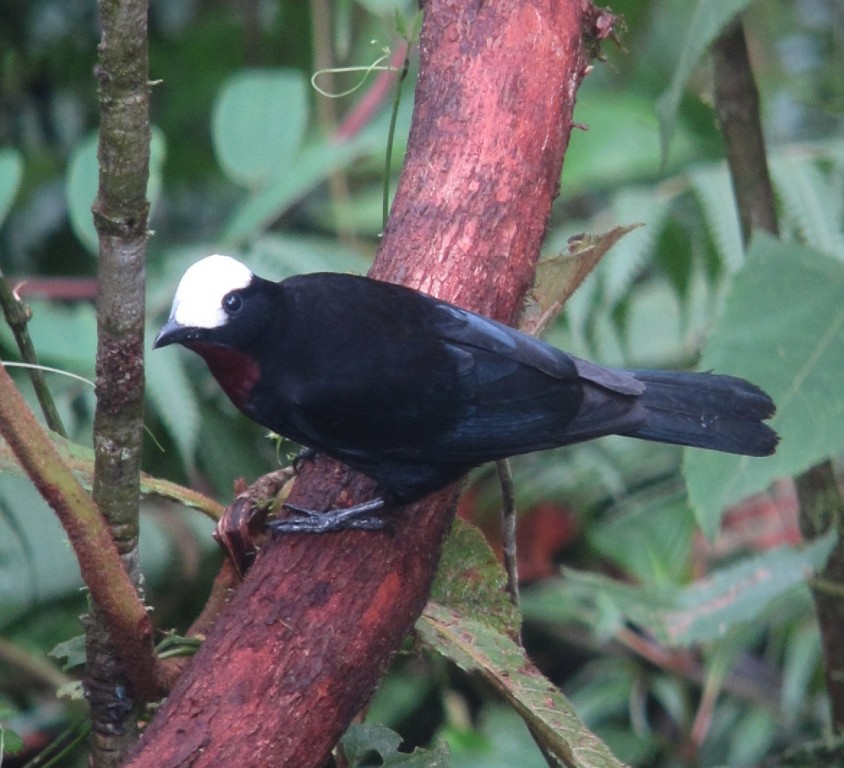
120, 216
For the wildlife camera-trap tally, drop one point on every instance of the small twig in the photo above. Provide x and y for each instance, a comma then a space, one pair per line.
388, 162
508, 529
737, 107
17, 316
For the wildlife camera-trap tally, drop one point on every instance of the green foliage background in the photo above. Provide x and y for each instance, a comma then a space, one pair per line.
245, 161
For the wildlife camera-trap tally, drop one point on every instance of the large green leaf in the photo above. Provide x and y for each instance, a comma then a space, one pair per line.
706, 22
11, 173
475, 647
311, 166
36, 563
700, 612
258, 124
783, 328
620, 145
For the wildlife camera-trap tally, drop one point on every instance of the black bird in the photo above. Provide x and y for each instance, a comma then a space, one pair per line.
414, 392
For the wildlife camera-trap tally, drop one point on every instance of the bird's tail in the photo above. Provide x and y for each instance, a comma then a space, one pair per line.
722, 413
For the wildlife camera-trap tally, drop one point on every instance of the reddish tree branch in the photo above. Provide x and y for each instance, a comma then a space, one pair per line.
306, 638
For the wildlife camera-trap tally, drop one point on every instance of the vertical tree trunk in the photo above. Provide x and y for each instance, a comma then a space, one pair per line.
317, 620
820, 500
120, 216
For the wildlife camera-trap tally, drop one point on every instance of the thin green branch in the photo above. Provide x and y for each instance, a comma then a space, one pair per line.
17, 316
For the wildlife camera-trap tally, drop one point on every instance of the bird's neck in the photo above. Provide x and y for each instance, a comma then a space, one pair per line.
235, 371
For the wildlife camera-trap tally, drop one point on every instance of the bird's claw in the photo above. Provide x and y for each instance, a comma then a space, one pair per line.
361, 517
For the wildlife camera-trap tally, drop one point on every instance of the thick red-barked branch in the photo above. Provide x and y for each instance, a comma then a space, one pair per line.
304, 641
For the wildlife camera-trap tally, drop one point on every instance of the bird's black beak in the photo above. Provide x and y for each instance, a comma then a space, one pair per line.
171, 333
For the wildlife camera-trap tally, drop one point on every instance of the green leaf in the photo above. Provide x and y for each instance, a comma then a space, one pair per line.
601, 156
169, 388
701, 612
475, 647
11, 173
783, 328
81, 461
714, 191
361, 741
471, 581
651, 541
706, 22
71, 653
83, 182
310, 167
499, 740
810, 201
10, 742
258, 124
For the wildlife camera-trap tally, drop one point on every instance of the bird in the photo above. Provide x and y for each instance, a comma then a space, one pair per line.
414, 392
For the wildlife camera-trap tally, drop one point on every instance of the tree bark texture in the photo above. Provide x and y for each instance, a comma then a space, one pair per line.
317, 620
120, 217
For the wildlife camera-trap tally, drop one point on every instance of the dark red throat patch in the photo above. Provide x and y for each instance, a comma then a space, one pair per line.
235, 372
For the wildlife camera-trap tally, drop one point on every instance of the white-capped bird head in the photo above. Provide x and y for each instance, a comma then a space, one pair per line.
199, 298
203, 298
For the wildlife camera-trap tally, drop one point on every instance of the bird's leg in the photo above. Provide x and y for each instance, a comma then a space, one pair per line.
362, 516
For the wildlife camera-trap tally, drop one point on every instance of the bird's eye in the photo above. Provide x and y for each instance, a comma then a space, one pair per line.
232, 302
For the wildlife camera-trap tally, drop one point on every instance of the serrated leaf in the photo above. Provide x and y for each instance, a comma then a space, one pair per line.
558, 277
471, 581
361, 740
706, 22
258, 124
475, 647
714, 192
782, 327
83, 181
706, 609
810, 202
11, 173
624, 263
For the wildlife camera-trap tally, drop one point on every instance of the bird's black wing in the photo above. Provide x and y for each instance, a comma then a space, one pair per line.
414, 391
523, 395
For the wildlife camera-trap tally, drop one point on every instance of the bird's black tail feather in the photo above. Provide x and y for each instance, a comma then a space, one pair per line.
722, 413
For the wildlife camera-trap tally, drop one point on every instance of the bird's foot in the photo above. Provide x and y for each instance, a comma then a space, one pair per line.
361, 517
